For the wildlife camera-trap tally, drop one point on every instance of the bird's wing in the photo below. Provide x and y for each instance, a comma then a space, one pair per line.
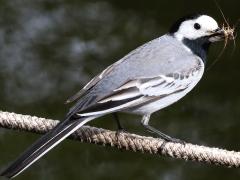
139, 91
158, 47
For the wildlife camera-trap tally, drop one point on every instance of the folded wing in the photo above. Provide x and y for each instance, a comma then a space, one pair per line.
136, 92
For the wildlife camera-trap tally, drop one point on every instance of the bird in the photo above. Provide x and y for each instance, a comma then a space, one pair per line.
149, 78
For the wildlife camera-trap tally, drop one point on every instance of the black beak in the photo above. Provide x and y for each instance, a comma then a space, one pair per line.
219, 32
217, 35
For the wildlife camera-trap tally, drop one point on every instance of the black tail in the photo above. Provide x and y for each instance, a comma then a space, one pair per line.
43, 145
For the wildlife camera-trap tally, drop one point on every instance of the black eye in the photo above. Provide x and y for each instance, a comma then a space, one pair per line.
197, 26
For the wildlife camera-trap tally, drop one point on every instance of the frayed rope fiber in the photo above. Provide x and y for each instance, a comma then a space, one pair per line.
125, 141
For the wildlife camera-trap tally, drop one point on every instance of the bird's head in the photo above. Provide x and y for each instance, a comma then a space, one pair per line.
194, 27
198, 31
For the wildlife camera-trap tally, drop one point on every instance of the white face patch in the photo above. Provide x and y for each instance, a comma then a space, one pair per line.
187, 29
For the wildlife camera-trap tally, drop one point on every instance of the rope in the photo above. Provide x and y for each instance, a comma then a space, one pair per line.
126, 141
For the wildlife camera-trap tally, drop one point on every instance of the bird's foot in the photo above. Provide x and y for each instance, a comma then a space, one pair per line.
163, 136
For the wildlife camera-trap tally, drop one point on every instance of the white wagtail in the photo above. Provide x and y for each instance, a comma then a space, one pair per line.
151, 77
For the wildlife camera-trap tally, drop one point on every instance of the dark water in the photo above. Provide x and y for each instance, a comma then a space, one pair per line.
50, 49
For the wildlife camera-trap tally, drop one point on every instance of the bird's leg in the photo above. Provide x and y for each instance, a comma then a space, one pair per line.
119, 126
145, 121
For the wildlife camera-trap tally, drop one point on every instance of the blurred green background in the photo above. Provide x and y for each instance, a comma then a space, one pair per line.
50, 49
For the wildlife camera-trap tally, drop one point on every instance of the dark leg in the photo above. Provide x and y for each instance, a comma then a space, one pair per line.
119, 126
145, 121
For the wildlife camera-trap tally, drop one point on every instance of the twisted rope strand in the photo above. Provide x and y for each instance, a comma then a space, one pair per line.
125, 141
